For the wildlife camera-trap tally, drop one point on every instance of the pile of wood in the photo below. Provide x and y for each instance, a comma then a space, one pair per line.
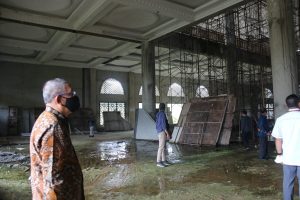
205, 121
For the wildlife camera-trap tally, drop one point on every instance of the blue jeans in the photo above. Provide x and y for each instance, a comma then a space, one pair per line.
289, 174
263, 147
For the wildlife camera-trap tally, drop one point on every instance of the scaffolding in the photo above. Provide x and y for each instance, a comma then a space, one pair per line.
228, 54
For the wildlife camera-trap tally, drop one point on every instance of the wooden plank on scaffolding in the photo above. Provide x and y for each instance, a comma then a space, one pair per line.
204, 121
222, 121
225, 135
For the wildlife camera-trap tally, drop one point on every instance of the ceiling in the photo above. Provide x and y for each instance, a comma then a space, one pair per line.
101, 34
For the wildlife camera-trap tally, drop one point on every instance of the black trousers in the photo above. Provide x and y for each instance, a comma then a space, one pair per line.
263, 147
245, 137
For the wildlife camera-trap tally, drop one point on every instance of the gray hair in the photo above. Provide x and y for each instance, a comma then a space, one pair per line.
53, 88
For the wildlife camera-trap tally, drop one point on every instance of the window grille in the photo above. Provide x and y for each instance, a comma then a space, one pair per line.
110, 107
202, 92
175, 90
112, 86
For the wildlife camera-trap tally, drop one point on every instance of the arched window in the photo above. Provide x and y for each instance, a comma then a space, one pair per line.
269, 105
156, 91
112, 86
268, 93
175, 90
202, 91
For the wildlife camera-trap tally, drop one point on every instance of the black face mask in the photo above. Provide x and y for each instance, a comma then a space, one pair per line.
73, 103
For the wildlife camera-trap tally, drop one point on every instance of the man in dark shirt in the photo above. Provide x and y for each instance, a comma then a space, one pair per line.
161, 128
263, 132
245, 124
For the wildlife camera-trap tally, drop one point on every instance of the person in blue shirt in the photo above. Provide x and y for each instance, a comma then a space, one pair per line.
263, 131
162, 131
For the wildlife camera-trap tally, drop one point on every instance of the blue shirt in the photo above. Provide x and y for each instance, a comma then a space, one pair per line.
161, 121
263, 126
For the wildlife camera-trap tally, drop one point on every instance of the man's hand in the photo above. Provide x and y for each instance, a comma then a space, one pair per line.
168, 135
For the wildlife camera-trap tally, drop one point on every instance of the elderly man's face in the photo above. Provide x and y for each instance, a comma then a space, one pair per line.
68, 93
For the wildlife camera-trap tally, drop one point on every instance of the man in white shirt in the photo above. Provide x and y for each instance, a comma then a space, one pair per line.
287, 140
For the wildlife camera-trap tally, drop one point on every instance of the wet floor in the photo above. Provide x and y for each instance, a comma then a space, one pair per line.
115, 166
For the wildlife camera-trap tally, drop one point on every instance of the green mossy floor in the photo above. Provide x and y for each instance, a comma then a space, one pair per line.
115, 166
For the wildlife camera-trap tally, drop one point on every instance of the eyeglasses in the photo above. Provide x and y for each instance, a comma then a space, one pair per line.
68, 95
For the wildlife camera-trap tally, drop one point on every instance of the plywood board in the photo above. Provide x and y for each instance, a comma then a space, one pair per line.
174, 134
204, 121
225, 134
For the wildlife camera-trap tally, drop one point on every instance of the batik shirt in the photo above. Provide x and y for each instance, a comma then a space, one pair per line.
55, 169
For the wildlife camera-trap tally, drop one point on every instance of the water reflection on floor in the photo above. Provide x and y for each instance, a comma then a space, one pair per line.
125, 169
124, 151
118, 167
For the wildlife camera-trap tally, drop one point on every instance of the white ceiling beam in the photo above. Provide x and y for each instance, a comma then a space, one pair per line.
136, 69
80, 18
57, 42
112, 68
24, 44
214, 7
164, 29
162, 7
34, 61
19, 59
86, 12
84, 51
124, 49
56, 23
96, 62
115, 32
132, 58
22, 16
66, 64
207, 9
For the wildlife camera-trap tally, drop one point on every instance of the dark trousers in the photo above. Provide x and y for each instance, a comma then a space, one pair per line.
263, 147
245, 137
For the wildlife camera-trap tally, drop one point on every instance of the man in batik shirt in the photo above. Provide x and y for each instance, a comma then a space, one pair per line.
55, 169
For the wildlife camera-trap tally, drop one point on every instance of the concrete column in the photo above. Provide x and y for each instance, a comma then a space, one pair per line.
148, 77
86, 85
89, 92
93, 90
132, 97
283, 52
231, 60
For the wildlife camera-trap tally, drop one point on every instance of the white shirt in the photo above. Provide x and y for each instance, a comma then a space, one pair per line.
287, 128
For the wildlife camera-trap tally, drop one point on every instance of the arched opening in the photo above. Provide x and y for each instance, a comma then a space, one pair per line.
111, 86
156, 91
175, 90
202, 91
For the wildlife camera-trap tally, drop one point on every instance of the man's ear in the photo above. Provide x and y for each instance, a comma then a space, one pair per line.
57, 99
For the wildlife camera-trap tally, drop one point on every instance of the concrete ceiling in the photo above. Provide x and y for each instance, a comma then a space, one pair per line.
101, 34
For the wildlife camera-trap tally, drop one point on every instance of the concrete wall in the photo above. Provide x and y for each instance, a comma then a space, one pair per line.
21, 87
21, 84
